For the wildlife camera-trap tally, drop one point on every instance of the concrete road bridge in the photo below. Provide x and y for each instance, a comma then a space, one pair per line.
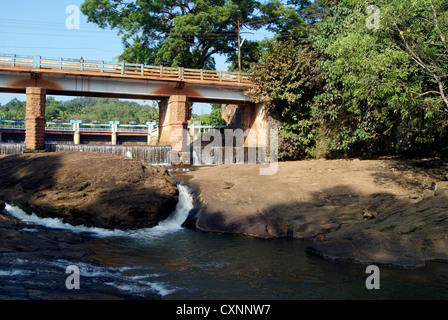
174, 88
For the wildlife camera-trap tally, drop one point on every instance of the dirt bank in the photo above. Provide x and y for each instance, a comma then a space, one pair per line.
375, 211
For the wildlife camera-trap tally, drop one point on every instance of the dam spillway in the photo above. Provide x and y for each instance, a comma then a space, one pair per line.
155, 155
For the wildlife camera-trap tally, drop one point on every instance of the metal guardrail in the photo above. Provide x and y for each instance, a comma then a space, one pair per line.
85, 127
102, 67
52, 126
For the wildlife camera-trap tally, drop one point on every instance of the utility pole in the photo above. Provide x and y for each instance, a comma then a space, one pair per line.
240, 44
239, 47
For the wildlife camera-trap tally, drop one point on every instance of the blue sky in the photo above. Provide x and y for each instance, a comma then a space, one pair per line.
38, 27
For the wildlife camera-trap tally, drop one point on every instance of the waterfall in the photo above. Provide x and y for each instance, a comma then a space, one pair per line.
216, 155
11, 148
172, 224
156, 155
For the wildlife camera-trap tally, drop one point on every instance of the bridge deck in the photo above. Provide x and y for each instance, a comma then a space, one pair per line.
93, 67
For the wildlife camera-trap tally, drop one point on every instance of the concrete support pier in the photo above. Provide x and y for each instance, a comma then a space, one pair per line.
150, 130
76, 134
114, 135
174, 114
35, 119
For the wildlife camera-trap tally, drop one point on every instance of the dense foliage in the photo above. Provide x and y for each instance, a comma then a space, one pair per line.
381, 84
88, 110
214, 118
187, 33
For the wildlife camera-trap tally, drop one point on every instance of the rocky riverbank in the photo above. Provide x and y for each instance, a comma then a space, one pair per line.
386, 212
21, 246
88, 188
80, 188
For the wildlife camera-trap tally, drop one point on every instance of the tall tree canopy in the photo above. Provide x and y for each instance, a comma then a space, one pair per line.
188, 33
370, 80
386, 80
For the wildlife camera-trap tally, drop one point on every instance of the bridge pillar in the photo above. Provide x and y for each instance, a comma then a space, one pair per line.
35, 119
150, 130
174, 114
76, 134
114, 136
251, 117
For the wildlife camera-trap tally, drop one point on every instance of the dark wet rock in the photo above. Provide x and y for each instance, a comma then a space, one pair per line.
87, 188
2, 205
370, 247
401, 236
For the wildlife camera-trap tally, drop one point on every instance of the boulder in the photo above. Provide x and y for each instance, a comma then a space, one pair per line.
2, 205
88, 188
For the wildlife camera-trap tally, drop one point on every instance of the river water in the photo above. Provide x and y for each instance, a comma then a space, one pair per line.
179, 263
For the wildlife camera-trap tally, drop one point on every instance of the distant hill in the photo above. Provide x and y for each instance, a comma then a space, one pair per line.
87, 109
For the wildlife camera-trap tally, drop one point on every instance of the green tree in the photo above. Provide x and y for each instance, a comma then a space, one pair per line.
370, 80
187, 33
287, 79
13, 108
385, 85
54, 109
214, 118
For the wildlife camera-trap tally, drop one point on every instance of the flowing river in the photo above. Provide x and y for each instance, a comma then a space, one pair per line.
178, 263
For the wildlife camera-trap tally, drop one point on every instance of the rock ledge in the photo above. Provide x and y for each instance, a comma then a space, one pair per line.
88, 188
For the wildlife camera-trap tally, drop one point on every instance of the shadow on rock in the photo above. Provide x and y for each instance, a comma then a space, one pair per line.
343, 225
403, 235
88, 188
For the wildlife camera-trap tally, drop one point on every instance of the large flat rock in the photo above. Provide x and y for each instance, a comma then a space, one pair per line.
388, 212
88, 188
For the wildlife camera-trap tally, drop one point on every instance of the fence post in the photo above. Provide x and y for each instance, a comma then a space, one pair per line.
13, 61
181, 73
36, 62
122, 68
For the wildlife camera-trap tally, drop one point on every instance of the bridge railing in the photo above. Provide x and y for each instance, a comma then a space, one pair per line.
12, 124
95, 66
84, 127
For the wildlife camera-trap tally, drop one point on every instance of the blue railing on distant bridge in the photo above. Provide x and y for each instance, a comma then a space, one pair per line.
83, 127
81, 65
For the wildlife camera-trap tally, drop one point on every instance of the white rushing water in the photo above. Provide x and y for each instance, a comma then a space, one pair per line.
157, 155
134, 280
172, 224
